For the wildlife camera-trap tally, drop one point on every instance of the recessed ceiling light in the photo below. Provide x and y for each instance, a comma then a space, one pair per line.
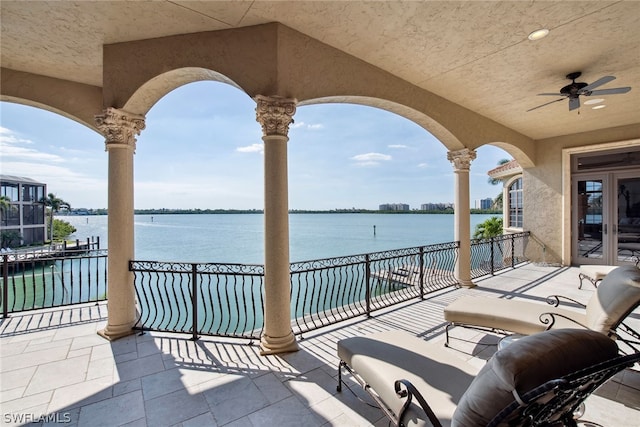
593, 101
598, 107
538, 34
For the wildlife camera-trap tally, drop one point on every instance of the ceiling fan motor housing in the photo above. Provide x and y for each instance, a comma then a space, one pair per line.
573, 89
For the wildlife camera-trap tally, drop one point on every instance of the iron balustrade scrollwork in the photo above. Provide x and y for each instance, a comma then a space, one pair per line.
330, 290
497, 253
226, 299
42, 279
200, 298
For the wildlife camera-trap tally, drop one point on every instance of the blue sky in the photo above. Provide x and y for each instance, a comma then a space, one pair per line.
202, 148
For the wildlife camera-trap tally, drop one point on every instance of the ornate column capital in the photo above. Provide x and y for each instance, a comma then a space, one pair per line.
275, 114
461, 159
119, 127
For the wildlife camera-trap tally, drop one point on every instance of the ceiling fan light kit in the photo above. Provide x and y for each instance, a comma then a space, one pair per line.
574, 90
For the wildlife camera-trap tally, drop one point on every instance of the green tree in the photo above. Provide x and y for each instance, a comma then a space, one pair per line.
5, 205
497, 202
55, 204
491, 227
10, 238
62, 229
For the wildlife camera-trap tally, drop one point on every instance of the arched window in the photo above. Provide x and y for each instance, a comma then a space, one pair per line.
515, 203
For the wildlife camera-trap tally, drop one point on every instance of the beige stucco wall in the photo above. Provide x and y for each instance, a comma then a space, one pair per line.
547, 190
542, 204
272, 59
75, 101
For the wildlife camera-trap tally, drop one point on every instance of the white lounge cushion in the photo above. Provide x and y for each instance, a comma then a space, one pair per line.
597, 272
522, 317
617, 295
382, 358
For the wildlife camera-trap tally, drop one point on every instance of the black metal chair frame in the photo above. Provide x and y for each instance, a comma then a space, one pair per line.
550, 404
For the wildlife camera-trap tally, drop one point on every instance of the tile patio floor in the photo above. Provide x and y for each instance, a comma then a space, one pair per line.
54, 363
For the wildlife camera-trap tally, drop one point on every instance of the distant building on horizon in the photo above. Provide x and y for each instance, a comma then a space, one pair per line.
436, 206
484, 203
25, 213
394, 207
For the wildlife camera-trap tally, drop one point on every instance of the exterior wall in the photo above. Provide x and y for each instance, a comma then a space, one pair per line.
547, 193
75, 101
273, 59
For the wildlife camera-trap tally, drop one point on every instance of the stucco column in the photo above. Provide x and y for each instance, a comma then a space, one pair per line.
275, 114
461, 161
120, 129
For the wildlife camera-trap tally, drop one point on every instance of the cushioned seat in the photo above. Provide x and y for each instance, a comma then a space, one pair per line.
384, 357
442, 389
594, 273
617, 295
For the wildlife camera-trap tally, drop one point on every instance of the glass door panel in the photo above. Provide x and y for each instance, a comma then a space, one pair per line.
628, 218
591, 227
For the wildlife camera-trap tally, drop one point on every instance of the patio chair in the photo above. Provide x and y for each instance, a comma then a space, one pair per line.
539, 380
613, 300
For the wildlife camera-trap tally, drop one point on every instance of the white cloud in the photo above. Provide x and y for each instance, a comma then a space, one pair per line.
13, 147
397, 146
370, 159
253, 148
299, 125
423, 165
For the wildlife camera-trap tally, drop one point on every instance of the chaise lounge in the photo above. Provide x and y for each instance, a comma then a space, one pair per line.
613, 300
538, 380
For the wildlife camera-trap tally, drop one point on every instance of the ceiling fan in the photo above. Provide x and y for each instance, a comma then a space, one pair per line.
574, 90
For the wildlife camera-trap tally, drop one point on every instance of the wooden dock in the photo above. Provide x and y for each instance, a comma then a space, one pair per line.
408, 275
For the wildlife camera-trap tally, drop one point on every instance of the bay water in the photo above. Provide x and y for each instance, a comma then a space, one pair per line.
239, 238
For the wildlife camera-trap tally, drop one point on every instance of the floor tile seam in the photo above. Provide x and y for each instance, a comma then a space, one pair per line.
48, 401
46, 348
83, 380
9, 391
33, 372
77, 405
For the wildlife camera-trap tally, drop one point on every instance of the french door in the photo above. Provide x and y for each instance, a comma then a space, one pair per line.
606, 218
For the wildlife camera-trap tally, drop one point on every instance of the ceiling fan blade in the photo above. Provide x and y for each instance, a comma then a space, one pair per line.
574, 103
551, 94
539, 106
612, 91
599, 82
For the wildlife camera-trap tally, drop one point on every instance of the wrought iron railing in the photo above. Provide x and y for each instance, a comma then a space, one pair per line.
497, 253
200, 298
44, 279
227, 299
330, 290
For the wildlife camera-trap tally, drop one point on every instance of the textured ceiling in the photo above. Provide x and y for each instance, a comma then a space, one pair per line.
475, 54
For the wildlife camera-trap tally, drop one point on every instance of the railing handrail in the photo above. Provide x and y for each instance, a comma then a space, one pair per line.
227, 298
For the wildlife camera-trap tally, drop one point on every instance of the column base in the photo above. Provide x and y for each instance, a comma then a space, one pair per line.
112, 333
275, 345
467, 284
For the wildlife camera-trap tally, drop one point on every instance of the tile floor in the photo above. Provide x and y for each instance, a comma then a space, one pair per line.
55, 369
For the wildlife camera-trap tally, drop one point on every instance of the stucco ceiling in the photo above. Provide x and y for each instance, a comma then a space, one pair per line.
475, 54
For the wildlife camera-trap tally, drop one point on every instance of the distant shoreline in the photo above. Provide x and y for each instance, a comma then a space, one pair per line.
292, 211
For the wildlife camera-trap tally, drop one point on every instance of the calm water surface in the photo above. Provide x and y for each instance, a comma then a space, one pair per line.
239, 238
